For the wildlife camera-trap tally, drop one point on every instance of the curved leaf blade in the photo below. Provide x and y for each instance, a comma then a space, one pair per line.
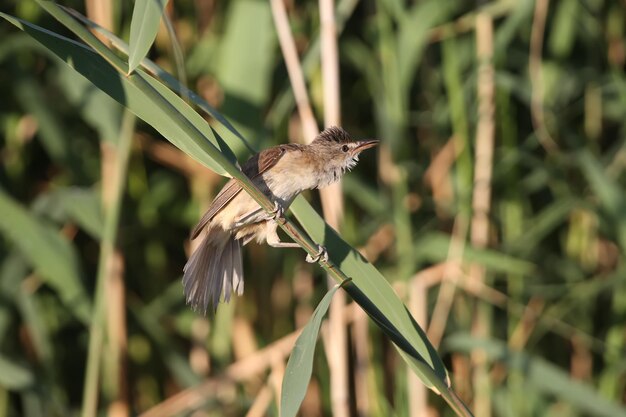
373, 293
226, 129
142, 94
300, 364
143, 29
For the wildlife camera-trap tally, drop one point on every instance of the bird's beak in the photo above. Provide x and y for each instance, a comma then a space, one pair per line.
365, 144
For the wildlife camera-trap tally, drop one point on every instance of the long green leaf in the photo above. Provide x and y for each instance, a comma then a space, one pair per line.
300, 364
139, 93
370, 282
143, 29
374, 294
53, 257
225, 128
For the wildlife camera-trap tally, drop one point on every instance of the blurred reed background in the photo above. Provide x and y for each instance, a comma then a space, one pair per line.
495, 208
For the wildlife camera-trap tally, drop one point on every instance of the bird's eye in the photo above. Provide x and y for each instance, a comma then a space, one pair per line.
345, 148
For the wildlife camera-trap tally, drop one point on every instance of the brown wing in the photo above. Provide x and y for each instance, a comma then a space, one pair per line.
230, 190
253, 167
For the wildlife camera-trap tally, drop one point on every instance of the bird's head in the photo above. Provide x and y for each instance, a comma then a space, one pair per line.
337, 153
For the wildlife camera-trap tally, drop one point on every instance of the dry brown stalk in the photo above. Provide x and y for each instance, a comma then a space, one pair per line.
276, 378
189, 399
294, 69
261, 403
332, 202
332, 205
114, 293
485, 131
101, 12
481, 202
117, 336
360, 341
418, 302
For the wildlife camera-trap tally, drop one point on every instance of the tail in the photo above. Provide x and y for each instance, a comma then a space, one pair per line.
215, 266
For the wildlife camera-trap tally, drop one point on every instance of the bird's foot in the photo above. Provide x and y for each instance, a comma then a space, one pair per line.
277, 213
321, 254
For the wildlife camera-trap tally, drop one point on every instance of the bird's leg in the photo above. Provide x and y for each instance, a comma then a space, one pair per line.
274, 241
321, 254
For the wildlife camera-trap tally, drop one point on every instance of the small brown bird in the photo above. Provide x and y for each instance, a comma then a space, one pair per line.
234, 218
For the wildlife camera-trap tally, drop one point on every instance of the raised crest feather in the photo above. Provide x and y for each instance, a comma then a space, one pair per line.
333, 134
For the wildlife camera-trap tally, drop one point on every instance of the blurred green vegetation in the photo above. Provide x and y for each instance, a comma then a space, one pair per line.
554, 285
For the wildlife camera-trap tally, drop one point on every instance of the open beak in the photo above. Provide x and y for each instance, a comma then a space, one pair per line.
364, 144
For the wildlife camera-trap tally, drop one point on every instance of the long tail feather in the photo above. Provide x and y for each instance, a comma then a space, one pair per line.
237, 278
214, 268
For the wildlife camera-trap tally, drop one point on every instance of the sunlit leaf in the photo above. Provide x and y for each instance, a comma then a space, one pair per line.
374, 294
140, 93
225, 128
300, 364
143, 29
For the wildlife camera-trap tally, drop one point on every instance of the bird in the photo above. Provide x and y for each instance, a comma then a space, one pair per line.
214, 270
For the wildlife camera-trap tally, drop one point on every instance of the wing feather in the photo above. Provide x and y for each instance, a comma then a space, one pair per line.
230, 190
254, 167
